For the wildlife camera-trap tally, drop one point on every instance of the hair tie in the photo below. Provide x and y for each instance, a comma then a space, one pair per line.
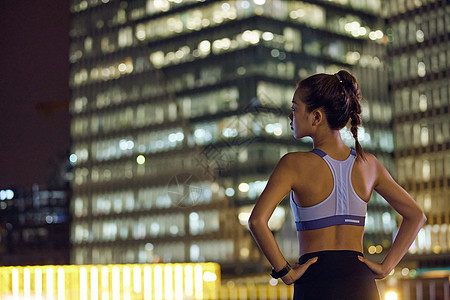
339, 78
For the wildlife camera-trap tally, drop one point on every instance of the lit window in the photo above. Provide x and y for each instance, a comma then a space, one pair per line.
204, 47
244, 187
194, 252
421, 70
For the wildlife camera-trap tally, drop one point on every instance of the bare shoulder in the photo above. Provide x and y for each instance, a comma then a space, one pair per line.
375, 166
369, 161
299, 157
372, 161
298, 161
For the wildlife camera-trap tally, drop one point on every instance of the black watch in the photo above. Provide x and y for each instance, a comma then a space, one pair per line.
282, 272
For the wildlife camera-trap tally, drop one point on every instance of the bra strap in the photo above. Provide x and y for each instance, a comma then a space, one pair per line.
322, 154
318, 152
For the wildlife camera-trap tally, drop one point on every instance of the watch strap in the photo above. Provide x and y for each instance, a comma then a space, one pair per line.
282, 272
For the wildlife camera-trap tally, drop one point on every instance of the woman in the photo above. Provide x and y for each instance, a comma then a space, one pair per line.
329, 190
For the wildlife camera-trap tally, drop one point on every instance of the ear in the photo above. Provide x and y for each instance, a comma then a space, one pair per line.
317, 117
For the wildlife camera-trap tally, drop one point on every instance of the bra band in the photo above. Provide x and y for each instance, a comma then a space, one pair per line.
330, 221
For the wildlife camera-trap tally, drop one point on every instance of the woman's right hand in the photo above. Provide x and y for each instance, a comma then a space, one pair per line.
297, 271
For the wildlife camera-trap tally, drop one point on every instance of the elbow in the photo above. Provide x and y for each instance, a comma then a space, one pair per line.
423, 218
420, 217
254, 223
416, 216
250, 225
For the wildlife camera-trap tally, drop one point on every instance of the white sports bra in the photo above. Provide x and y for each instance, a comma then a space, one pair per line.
342, 207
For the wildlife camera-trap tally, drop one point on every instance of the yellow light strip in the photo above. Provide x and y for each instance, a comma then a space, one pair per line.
178, 282
38, 282
61, 284
15, 280
158, 281
198, 282
94, 283
188, 281
137, 279
83, 284
49, 286
115, 283
26, 282
168, 286
147, 287
124, 282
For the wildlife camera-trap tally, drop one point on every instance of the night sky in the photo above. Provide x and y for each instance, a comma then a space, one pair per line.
34, 46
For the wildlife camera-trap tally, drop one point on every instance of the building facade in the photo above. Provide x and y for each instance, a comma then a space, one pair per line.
180, 112
34, 226
419, 87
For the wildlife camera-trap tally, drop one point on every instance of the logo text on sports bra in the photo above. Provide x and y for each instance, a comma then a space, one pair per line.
352, 221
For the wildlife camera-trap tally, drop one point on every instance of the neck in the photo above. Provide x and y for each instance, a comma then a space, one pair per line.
329, 139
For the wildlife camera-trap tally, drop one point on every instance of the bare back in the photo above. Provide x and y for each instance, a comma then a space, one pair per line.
314, 183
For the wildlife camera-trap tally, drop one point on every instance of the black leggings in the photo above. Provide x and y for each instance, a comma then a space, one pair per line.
336, 275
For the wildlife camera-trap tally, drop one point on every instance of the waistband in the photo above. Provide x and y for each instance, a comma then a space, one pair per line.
328, 253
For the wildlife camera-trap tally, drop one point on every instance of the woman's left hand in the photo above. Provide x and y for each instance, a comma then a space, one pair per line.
297, 271
378, 270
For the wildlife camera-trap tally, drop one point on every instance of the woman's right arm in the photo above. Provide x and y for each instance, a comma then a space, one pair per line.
413, 220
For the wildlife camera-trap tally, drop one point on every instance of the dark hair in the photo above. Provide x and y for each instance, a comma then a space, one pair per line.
339, 96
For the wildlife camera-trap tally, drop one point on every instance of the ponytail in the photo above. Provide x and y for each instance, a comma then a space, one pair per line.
355, 121
353, 95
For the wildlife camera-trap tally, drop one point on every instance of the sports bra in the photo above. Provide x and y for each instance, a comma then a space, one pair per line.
342, 207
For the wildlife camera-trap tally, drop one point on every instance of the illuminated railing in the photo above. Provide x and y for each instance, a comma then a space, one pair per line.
143, 281
173, 282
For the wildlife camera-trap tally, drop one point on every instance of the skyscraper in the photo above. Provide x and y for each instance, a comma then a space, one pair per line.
180, 112
419, 86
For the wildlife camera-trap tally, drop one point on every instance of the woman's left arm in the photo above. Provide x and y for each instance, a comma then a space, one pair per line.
413, 220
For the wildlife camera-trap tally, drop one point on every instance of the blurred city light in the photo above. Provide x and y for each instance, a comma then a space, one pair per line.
390, 296
6, 194
244, 187
140, 159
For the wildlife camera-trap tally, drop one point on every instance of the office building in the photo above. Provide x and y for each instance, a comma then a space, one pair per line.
180, 112
419, 87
